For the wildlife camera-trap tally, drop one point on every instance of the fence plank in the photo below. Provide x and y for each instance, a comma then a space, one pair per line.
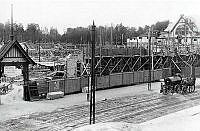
72, 85
127, 78
102, 82
115, 79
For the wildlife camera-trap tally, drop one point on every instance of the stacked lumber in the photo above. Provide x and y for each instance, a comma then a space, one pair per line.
55, 95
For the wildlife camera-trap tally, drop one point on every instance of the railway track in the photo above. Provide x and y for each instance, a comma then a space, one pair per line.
134, 109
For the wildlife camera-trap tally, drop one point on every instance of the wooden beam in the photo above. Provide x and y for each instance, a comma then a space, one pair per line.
106, 66
125, 64
135, 63
143, 64
116, 65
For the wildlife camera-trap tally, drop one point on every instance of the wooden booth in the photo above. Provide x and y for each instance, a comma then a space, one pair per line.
12, 54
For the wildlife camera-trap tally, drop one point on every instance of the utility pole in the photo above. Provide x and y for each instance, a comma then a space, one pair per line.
12, 31
122, 39
82, 47
116, 41
92, 95
111, 35
87, 65
100, 48
4, 35
149, 37
100, 37
152, 55
39, 51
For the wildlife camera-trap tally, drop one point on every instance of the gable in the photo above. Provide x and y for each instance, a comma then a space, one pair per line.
14, 55
182, 21
13, 52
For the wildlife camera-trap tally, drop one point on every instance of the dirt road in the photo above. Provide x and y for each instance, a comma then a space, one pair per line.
134, 109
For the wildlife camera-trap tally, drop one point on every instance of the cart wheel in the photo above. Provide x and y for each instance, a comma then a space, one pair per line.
184, 89
188, 89
192, 88
178, 89
172, 89
165, 90
161, 89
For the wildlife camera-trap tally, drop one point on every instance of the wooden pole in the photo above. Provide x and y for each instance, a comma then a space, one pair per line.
93, 69
92, 100
39, 51
12, 31
100, 48
111, 35
149, 37
152, 55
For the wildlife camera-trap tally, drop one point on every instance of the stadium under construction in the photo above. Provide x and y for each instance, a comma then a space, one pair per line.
176, 48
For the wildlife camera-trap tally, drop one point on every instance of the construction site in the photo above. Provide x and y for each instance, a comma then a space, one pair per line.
133, 72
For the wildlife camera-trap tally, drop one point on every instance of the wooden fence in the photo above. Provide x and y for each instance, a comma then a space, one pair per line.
73, 85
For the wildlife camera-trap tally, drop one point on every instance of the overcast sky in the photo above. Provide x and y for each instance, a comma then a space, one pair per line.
73, 13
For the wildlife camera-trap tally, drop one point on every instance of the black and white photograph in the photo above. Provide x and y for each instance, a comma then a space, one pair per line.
99, 65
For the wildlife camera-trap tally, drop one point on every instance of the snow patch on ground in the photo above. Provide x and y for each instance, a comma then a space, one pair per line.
110, 126
14, 106
15, 94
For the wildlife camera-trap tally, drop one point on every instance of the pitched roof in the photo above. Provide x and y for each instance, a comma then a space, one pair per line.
173, 25
6, 47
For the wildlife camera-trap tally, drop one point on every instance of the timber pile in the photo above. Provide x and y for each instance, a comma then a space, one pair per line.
55, 95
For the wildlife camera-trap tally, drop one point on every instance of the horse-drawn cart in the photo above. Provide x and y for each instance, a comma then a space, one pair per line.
177, 84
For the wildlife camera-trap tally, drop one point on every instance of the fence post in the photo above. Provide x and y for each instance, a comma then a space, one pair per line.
133, 78
88, 92
122, 78
109, 80
48, 86
64, 85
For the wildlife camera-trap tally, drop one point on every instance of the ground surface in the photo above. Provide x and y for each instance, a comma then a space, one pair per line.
132, 104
